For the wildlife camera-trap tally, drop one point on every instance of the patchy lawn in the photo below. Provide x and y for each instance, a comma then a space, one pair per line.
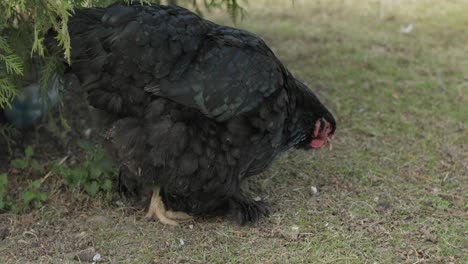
394, 188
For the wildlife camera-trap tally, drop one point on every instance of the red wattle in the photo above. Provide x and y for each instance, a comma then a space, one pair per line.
317, 143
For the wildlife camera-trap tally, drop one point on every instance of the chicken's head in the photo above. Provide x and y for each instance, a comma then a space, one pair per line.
312, 124
324, 131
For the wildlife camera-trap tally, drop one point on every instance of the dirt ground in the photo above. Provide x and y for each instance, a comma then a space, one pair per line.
393, 190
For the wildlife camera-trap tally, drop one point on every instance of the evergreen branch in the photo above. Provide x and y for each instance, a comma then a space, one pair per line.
38, 44
49, 68
4, 46
13, 64
8, 91
7, 132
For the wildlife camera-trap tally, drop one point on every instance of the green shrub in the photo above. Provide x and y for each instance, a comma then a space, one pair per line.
93, 175
34, 196
27, 163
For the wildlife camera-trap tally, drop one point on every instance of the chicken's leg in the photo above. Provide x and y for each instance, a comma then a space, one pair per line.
157, 210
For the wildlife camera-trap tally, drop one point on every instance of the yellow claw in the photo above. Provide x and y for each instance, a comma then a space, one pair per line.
158, 210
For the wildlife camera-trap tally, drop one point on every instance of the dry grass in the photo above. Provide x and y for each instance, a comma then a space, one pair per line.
394, 189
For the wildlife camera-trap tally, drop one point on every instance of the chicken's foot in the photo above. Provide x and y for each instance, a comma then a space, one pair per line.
158, 210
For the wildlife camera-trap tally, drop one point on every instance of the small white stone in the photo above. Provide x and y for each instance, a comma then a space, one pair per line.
80, 235
190, 226
87, 132
313, 189
257, 198
407, 29
294, 232
96, 257
181, 241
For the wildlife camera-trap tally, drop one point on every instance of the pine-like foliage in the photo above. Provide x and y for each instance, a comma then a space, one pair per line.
23, 23
10, 64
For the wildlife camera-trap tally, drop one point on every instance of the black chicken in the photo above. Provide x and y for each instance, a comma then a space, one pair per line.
193, 108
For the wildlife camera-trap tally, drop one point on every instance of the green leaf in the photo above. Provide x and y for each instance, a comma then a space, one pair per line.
74, 177
28, 197
3, 185
37, 204
19, 164
81, 174
35, 165
57, 168
106, 165
42, 196
36, 184
85, 144
3, 179
440, 203
92, 188
107, 185
28, 152
95, 173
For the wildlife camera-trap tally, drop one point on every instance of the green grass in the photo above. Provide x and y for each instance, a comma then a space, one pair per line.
394, 188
